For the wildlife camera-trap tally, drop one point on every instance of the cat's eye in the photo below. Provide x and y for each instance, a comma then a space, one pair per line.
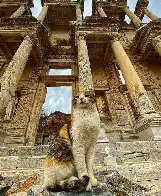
86, 94
77, 96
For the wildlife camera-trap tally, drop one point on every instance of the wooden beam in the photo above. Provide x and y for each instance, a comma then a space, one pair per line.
58, 80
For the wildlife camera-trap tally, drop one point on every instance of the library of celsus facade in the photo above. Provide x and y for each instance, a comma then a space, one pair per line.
121, 62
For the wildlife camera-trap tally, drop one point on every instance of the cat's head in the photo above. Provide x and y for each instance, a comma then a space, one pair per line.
85, 99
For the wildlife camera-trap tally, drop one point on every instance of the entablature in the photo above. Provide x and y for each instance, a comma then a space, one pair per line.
16, 2
112, 2
12, 35
142, 41
60, 2
59, 16
20, 23
111, 8
59, 80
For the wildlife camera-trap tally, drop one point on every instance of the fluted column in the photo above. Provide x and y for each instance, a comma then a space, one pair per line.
43, 13
79, 14
101, 11
133, 82
136, 21
18, 12
85, 75
150, 14
156, 42
13, 73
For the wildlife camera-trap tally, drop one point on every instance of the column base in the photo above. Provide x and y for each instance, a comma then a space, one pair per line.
149, 130
120, 134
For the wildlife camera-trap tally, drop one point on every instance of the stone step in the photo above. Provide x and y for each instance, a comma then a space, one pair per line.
136, 151
18, 162
30, 162
24, 151
153, 184
135, 172
146, 175
32, 175
40, 150
21, 180
141, 171
22, 174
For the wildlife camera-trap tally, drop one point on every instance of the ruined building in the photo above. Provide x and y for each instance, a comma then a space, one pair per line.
121, 62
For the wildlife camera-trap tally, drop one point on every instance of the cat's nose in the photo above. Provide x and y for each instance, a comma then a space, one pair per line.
81, 98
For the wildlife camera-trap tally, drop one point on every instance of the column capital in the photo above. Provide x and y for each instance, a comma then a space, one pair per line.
43, 13
82, 36
101, 11
79, 14
78, 6
114, 38
156, 42
19, 11
136, 21
29, 36
156, 39
150, 14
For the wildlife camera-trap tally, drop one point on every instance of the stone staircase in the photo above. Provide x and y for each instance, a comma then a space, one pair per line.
138, 161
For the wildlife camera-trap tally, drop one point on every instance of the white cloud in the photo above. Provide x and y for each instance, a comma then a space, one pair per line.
58, 99
37, 8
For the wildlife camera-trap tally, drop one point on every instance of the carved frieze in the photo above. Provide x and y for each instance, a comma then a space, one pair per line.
144, 37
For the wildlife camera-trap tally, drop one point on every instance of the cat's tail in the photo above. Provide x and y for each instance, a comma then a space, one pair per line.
3, 190
71, 184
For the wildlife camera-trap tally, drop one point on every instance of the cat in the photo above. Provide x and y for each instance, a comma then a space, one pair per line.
60, 173
85, 130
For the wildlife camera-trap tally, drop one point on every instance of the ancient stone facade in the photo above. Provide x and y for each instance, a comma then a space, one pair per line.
120, 62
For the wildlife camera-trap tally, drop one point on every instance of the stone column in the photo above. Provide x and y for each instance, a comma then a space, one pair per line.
136, 21
35, 114
133, 82
101, 11
79, 14
85, 76
156, 42
13, 73
150, 14
18, 12
43, 13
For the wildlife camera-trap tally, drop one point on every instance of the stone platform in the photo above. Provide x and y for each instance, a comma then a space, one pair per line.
124, 164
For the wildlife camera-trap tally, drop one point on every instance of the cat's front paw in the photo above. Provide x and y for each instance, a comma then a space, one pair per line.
93, 181
89, 187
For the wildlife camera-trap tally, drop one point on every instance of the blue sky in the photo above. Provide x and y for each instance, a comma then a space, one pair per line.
60, 98
154, 6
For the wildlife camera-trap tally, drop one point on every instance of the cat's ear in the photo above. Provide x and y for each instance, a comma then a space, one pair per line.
87, 94
91, 95
64, 132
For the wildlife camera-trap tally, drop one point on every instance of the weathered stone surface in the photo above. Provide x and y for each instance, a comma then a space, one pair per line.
24, 151
114, 184
136, 151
